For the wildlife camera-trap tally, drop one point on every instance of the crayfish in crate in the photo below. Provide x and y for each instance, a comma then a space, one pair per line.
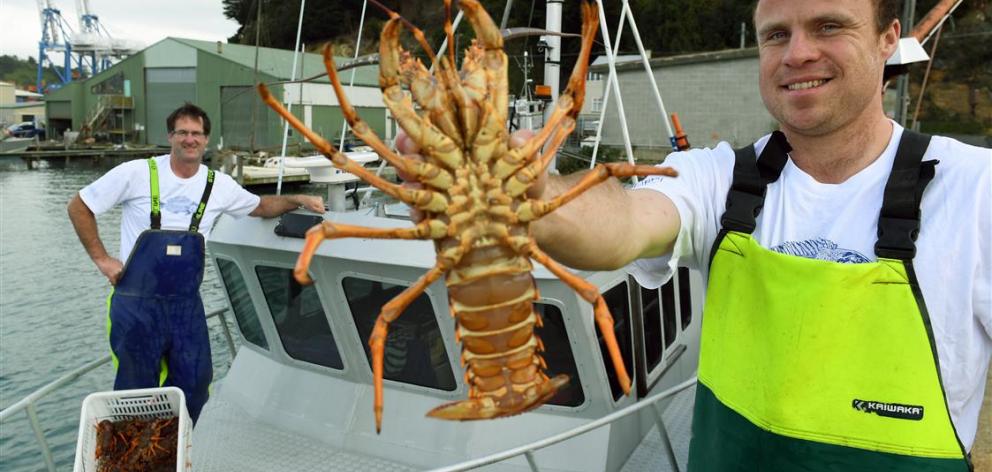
475, 207
137, 445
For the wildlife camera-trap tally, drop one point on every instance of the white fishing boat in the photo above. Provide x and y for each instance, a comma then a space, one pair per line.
298, 394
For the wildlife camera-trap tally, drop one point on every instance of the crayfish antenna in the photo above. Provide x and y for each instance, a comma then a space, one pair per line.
417, 32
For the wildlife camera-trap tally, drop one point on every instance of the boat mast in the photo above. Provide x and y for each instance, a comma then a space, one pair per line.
289, 104
552, 57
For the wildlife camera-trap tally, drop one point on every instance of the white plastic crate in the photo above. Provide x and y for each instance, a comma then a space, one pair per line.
148, 403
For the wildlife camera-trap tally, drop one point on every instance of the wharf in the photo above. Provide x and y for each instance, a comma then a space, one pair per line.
91, 156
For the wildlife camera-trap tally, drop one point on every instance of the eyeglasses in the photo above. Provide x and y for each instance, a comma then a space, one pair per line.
185, 133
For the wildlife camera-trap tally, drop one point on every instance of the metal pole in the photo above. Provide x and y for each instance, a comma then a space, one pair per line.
444, 44
46, 452
506, 14
289, 104
663, 434
227, 336
552, 57
351, 82
902, 85
647, 69
926, 77
611, 58
606, 93
531, 461
254, 102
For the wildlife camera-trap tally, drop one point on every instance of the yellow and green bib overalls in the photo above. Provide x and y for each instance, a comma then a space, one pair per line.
817, 365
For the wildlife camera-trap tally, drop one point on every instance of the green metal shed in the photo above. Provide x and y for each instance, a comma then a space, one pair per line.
131, 100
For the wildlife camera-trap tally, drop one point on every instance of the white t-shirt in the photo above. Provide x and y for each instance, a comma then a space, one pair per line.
129, 184
838, 222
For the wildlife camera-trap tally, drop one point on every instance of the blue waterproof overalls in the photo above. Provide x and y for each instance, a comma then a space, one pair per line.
157, 328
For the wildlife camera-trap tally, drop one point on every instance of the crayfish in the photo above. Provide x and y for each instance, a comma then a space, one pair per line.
475, 207
137, 445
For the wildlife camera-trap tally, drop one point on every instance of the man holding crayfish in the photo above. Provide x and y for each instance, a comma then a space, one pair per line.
848, 318
156, 324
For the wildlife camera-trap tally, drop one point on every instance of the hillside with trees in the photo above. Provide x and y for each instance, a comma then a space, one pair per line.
23, 73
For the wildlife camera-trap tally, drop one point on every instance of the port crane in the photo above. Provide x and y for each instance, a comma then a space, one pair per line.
86, 53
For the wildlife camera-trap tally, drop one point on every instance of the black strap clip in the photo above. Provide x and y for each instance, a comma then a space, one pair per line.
897, 237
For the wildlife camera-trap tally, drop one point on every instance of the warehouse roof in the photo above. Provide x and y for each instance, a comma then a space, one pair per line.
279, 62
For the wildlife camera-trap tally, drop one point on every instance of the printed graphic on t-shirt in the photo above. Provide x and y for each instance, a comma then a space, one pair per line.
821, 249
180, 205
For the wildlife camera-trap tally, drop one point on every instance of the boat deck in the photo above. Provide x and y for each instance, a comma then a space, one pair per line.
678, 421
236, 441
233, 440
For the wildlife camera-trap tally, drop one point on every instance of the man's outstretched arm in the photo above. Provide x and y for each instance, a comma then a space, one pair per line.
271, 206
607, 227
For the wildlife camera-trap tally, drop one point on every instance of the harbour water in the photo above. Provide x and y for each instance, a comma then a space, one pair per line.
53, 310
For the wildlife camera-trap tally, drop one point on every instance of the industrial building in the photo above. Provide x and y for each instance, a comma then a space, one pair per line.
129, 101
17, 106
715, 94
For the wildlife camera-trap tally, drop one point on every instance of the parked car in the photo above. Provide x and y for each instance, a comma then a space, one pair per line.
24, 130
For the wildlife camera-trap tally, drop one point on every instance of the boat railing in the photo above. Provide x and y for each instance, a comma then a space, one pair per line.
28, 403
528, 450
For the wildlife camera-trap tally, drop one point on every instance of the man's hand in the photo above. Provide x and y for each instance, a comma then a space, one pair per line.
409, 149
271, 206
311, 202
111, 268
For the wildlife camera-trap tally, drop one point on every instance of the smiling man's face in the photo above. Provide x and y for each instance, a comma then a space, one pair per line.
188, 140
821, 62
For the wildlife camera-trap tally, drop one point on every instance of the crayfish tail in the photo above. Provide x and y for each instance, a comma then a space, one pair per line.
488, 407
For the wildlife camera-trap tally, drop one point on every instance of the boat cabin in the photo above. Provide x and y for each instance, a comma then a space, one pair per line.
303, 373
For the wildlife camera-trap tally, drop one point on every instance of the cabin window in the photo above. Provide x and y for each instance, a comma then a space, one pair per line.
668, 314
415, 351
685, 297
299, 317
244, 309
653, 337
558, 355
618, 301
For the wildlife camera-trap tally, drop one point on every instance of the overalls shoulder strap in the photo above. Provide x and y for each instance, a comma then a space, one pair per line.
156, 215
195, 224
751, 178
156, 204
899, 220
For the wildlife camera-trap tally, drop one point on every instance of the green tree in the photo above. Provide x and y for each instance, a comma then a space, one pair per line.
23, 73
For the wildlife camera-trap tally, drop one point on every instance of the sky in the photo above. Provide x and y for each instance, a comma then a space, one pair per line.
144, 21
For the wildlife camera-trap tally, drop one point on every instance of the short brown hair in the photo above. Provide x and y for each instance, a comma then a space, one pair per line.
886, 11
188, 110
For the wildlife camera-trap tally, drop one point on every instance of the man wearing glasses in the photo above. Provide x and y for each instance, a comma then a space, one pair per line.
157, 328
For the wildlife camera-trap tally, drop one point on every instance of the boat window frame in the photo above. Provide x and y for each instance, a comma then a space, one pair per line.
446, 329
287, 358
573, 344
605, 363
648, 378
266, 326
